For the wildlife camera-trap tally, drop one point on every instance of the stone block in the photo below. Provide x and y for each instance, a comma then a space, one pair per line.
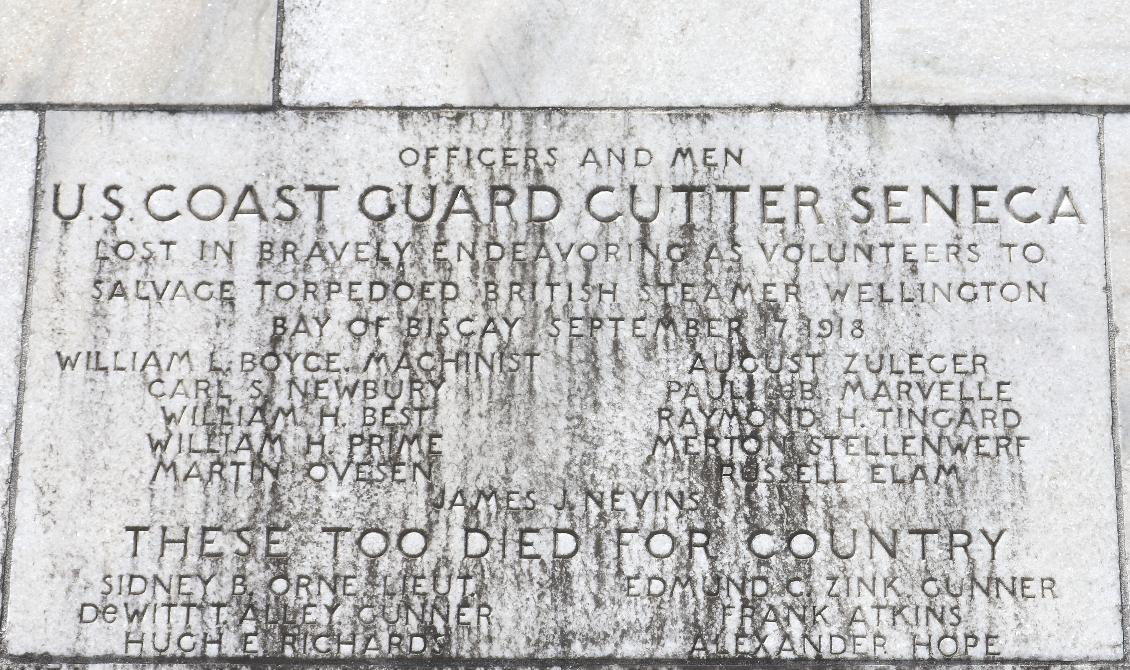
582, 53
999, 52
137, 52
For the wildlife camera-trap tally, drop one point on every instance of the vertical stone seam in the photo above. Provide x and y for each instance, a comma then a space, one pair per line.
865, 51
25, 330
1116, 434
276, 81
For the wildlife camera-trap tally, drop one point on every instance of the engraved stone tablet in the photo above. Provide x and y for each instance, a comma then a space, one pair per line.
626, 385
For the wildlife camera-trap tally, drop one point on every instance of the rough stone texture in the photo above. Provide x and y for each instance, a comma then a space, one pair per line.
1000, 52
17, 178
586, 414
582, 53
133, 51
1117, 145
506, 665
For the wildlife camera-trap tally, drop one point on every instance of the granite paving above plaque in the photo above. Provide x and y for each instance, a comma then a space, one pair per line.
365, 385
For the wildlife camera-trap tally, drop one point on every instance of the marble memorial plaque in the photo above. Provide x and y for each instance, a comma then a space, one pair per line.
556, 385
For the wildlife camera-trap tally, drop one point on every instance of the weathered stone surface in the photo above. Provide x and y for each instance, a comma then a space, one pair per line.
1117, 144
132, 51
18, 132
993, 318
999, 52
583, 53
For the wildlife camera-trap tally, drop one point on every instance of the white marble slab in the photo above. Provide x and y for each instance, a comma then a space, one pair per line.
579, 53
1000, 52
137, 52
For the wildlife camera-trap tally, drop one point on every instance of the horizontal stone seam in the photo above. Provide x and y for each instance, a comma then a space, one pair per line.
547, 662
940, 110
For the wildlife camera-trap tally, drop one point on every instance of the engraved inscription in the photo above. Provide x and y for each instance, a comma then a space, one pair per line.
632, 385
